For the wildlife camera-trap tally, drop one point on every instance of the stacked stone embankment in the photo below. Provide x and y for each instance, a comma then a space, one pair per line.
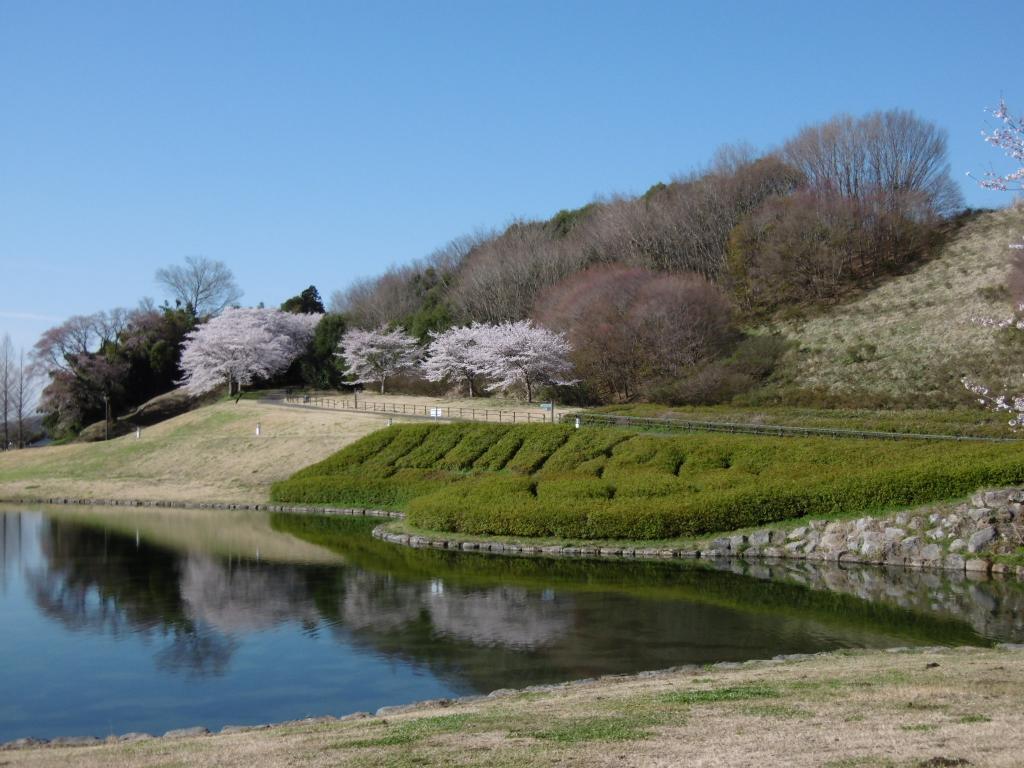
964, 537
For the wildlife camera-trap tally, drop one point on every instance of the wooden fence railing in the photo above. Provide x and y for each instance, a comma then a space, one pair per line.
460, 413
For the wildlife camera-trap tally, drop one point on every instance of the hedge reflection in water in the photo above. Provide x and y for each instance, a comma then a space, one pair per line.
472, 623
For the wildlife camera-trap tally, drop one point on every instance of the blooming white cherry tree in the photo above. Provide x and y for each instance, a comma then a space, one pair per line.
1009, 138
242, 345
525, 355
376, 356
456, 354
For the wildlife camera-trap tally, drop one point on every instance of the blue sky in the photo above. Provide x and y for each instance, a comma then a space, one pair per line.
317, 142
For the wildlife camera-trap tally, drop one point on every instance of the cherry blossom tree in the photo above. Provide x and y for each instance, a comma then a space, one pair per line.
522, 354
242, 345
456, 354
376, 356
1009, 138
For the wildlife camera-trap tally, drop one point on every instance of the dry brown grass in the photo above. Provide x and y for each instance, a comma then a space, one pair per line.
916, 334
208, 455
844, 711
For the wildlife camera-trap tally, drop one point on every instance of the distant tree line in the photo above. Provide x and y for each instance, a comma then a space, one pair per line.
95, 367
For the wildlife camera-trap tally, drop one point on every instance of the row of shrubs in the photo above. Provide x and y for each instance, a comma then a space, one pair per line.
609, 483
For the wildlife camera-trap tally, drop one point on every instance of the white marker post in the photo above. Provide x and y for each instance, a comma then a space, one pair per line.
257, 429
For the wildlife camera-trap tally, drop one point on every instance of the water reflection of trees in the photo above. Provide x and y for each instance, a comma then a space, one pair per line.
108, 583
97, 581
479, 622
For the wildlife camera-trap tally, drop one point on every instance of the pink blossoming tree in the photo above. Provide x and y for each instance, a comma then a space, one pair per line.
455, 354
1010, 138
523, 355
242, 345
376, 356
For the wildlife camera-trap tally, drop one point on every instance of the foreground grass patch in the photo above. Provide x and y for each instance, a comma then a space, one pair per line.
623, 728
604, 483
628, 722
409, 732
713, 695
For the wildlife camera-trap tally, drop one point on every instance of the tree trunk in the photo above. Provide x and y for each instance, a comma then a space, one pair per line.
382, 385
529, 391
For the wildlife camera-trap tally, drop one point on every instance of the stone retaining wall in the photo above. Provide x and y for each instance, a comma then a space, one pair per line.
956, 538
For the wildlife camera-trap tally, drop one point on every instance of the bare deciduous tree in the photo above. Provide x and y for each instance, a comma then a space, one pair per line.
203, 285
501, 279
892, 157
8, 375
391, 298
23, 396
631, 327
376, 301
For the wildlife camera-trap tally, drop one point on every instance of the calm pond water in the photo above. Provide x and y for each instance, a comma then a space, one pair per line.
116, 620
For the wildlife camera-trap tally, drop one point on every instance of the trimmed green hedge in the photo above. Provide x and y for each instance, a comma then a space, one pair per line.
533, 480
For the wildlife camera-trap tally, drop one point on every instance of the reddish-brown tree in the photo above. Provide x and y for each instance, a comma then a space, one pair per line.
631, 328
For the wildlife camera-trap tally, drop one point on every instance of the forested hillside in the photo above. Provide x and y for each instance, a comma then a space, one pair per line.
734, 280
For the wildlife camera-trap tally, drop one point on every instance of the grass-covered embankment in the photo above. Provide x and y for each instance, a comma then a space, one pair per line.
904, 710
911, 339
610, 483
211, 454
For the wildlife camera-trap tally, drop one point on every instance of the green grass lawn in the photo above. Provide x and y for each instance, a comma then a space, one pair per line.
601, 483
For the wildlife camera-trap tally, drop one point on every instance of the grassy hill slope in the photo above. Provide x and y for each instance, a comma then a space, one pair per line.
913, 337
611, 483
210, 454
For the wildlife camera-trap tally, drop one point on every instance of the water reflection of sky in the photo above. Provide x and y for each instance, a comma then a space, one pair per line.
115, 624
